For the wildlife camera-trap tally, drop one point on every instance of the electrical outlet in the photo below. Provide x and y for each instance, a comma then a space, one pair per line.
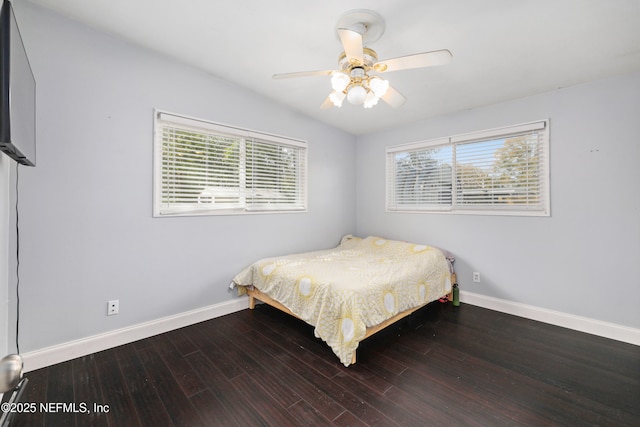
113, 307
476, 277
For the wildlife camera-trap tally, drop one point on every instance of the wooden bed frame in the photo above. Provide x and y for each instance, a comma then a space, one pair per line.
255, 294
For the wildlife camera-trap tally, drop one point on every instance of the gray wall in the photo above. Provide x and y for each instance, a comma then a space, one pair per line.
87, 234
584, 259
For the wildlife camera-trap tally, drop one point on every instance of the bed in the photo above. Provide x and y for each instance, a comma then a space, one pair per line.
352, 291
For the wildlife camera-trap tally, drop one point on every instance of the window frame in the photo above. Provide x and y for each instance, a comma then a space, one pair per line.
245, 137
392, 205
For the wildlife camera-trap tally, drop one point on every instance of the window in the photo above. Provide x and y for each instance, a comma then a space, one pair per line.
205, 168
499, 171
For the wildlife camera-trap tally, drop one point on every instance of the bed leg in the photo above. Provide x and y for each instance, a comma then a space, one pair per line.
353, 358
252, 302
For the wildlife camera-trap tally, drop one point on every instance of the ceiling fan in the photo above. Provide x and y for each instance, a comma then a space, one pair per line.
356, 78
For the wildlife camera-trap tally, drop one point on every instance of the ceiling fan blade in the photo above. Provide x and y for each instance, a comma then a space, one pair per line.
326, 104
352, 44
394, 98
303, 74
425, 59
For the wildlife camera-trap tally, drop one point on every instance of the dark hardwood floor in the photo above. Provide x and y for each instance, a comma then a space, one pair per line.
441, 366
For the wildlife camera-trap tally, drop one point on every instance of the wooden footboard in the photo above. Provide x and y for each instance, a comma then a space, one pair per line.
255, 294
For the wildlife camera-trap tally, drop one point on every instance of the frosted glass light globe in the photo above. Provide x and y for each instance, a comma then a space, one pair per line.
339, 81
370, 100
356, 95
379, 86
337, 98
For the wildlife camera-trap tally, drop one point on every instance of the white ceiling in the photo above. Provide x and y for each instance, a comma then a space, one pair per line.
502, 49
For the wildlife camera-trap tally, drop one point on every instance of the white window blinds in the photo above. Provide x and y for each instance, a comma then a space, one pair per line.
497, 171
275, 177
421, 177
205, 168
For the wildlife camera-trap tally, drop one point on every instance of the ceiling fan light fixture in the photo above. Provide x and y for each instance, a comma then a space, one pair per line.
370, 100
337, 98
356, 94
351, 80
379, 86
340, 81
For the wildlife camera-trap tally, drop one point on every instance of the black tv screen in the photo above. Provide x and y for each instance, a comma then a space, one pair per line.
17, 93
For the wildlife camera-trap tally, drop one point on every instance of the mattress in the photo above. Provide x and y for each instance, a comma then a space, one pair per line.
358, 284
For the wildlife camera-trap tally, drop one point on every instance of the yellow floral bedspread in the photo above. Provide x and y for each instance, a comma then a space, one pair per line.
358, 284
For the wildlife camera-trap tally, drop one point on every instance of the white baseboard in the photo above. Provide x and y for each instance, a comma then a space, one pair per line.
558, 318
70, 350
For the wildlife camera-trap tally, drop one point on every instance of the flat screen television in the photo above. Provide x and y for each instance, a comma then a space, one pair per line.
17, 93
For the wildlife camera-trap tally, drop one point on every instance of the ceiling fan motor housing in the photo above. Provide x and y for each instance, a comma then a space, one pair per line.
370, 57
368, 23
